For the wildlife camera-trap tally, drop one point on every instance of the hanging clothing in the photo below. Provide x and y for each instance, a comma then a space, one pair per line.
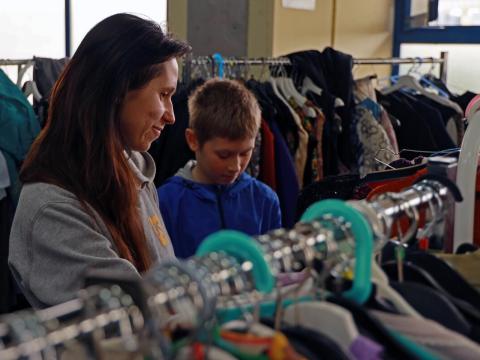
192, 210
267, 172
287, 182
4, 176
253, 169
7, 288
415, 130
308, 167
331, 70
46, 71
171, 151
431, 335
371, 142
18, 129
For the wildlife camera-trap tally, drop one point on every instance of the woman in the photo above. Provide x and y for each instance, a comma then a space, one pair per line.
88, 199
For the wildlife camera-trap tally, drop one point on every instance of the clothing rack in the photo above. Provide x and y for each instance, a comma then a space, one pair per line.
8, 62
22, 67
229, 269
233, 61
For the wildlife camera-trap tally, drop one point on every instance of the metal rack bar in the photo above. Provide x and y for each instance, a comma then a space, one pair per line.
286, 61
395, 61
8, 62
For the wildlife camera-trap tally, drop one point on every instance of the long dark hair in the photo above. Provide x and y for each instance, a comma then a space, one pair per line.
80, 148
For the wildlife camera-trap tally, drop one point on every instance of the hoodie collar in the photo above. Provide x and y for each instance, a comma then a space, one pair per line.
142, 165
186, 171
207, 190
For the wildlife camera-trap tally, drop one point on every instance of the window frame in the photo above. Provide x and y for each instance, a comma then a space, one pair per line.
430, 35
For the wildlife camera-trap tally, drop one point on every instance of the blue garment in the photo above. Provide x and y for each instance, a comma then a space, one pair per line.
18, 128
191, 211
287, 181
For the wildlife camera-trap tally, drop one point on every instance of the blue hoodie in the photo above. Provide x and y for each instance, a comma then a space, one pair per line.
192, 211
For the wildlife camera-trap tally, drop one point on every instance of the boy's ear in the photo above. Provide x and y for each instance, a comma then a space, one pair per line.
192, 140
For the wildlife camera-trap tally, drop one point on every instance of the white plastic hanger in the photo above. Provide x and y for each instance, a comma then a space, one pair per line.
327, 318
384, 290
409, 82
309, 85
299, 98
288, 92
467, 176
276, 91
30, 87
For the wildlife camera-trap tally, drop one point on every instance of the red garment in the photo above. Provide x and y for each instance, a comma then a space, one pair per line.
267, 160
396, 186
399, 185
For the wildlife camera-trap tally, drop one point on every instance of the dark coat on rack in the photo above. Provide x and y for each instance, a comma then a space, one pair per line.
171, 151
331, 70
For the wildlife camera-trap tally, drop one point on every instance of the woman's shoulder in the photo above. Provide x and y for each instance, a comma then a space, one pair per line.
39, 195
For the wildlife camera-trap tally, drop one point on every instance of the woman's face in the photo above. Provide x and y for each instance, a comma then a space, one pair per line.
145, 111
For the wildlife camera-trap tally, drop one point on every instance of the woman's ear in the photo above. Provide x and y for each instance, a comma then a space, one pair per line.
192, 140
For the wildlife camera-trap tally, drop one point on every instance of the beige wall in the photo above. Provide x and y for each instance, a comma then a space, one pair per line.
177, 18
363, 28
295, 30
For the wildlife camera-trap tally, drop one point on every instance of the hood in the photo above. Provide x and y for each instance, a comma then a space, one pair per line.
186, 171
143, 166
184, 178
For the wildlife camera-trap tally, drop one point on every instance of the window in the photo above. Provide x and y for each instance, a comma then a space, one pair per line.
456, 30
37, 28
86, 13
458, 13
32, 27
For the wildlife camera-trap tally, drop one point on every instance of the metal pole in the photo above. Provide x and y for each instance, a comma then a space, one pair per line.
68, 29
444, 66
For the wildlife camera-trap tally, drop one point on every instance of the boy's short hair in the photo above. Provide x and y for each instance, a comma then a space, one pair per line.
223, 108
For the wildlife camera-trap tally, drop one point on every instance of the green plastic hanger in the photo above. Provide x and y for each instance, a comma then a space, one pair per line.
243, 248
362, 283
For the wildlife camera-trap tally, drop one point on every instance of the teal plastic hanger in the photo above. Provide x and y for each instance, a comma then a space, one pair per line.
220, 64
362, 232
418, 350
243, 248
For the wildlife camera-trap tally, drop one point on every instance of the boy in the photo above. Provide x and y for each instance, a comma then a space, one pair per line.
213, 192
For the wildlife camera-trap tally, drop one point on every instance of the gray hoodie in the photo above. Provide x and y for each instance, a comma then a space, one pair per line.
54, 240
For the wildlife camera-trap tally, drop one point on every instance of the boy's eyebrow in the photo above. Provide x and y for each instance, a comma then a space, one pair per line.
230, 151
249, 148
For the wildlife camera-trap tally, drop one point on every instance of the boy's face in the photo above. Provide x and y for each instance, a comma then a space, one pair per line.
220, 161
